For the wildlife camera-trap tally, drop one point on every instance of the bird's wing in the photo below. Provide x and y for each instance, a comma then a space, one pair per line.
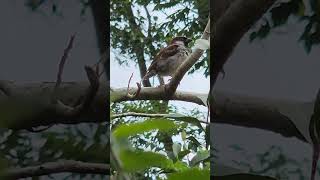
164, 53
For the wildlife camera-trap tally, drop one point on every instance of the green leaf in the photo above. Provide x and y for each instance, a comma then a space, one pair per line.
176, 148
301, 9
155, 18
190, 174
183, 135
183, 153
180, 166
194, 140
253, 36
199, 157
165, 5
184, 118
139, 161
281, 13
126, 130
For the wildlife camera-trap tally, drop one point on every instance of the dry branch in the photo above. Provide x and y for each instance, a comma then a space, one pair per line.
63, 60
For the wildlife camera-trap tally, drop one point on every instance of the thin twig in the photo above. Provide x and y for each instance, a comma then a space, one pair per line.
129, 82
136, 94
102, 60
134, 114
63, 61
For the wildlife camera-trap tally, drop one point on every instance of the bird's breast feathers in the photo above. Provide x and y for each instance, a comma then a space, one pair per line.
167, 65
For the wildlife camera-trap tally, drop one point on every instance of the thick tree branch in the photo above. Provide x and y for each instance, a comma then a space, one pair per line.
30, 106
255, 112
87, 99
152, 93
100, 12
56, 167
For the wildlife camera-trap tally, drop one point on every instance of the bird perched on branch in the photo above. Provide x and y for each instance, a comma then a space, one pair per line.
169, 58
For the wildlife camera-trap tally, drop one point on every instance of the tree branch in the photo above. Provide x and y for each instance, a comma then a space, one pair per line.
100, 11
255, 112
32, 106
87, 99
56, 167
152, 93
63, 61
134, 114
6, 87
138, 50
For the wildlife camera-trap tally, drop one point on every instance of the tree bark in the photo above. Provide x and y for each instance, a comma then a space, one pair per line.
100, 13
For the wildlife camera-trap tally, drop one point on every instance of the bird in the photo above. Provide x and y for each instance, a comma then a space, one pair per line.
169, 58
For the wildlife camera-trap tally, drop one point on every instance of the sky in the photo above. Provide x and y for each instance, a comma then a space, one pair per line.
33, 43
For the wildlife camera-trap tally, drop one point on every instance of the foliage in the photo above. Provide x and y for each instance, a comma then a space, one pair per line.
295, 10
142, 151
173, 146
140, 28
88, 143
273, 161
53, 6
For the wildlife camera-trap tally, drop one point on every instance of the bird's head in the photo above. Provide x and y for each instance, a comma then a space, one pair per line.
181, 40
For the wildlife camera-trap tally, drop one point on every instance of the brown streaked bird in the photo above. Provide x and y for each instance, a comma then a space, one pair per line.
169, 58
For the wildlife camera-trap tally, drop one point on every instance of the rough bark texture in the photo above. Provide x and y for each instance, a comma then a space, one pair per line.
254, 112
30, 105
